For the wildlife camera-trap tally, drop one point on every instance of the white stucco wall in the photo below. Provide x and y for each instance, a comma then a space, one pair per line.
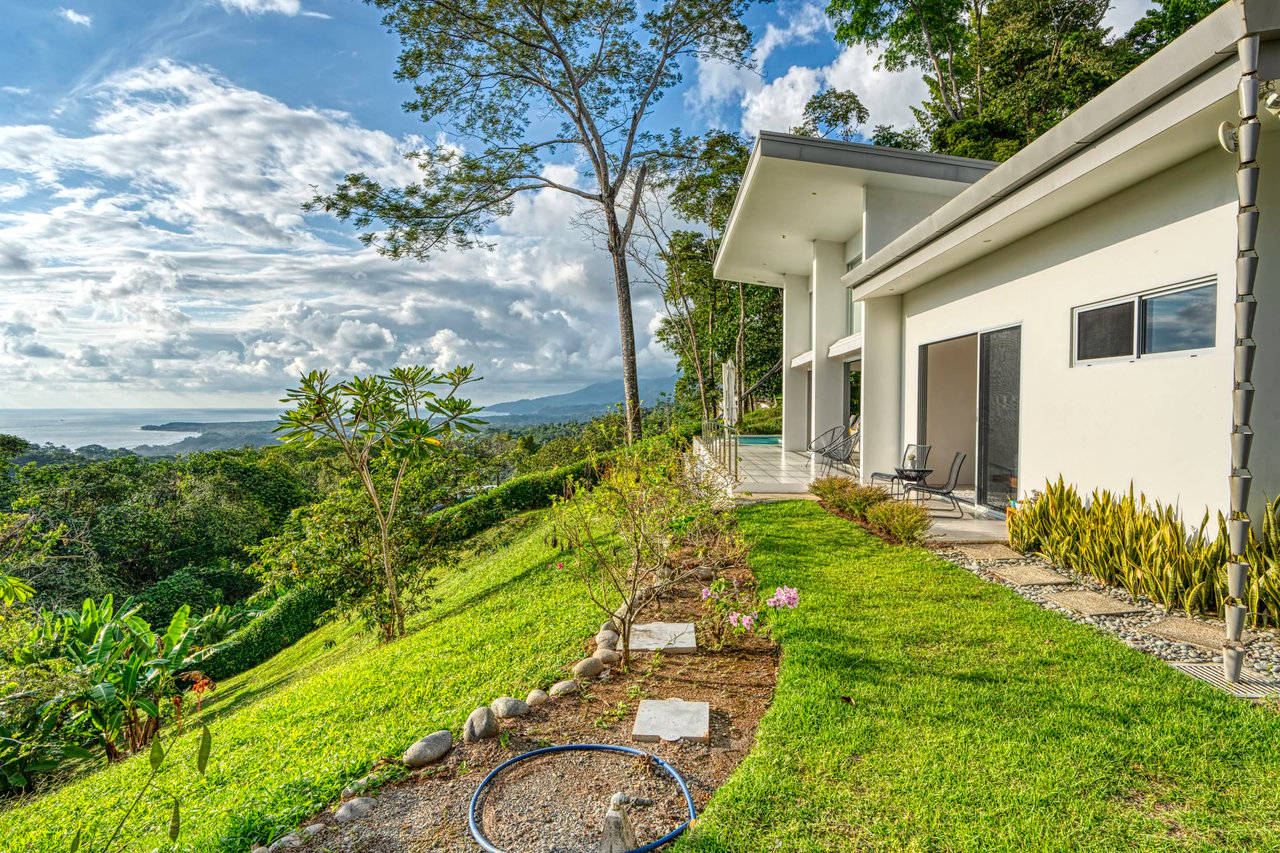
1160, 422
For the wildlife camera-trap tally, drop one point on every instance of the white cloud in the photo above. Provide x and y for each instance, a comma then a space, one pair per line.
262, 7
888, 96
75, 17
162, 251
778, 104
15, 90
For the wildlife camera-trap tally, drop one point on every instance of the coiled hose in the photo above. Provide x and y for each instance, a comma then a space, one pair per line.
484, 842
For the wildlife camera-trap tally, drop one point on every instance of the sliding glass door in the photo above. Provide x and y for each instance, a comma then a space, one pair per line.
999, 404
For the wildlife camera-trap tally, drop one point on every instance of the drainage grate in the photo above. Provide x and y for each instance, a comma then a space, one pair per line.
1245, 688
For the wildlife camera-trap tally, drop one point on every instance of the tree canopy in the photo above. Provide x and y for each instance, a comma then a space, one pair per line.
519, 88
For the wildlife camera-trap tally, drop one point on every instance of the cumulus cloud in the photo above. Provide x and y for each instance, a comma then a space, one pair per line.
161, 249
75, 17
778, 104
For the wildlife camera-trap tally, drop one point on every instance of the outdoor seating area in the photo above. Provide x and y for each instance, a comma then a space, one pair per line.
766, 470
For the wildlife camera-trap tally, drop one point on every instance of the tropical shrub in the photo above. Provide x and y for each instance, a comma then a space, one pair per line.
732, 608
182, 588
848, 496
1147, 548
904, 521
129, 672
761, 421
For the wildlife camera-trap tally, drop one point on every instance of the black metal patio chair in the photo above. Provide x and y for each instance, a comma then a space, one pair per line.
819, 443
840, 453
944, 492
915, 456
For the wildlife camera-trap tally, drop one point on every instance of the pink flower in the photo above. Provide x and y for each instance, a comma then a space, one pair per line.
784, 596
706, 593
734, 617
749, 621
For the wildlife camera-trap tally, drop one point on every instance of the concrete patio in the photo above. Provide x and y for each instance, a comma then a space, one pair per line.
767, 472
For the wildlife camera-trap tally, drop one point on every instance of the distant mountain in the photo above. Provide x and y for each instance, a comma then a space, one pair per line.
587, 402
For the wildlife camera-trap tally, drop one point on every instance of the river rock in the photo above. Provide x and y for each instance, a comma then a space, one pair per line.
564, 688
607, 656
480, 725
606, 640
507, 707
311, 830
587, 668
429, 749
608, 626
535, 698
352, 809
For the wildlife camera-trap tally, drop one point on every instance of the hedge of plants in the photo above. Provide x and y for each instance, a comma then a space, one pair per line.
1147, 548
291, 618
873, 507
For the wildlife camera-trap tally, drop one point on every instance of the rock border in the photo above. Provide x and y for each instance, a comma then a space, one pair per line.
481, 724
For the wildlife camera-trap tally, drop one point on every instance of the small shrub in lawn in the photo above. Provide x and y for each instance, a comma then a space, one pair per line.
907, 522
848, 496
733, 609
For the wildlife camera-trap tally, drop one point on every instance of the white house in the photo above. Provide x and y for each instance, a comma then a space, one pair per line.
1072, 311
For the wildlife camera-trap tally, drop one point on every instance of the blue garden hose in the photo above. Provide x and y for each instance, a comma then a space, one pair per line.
583, 747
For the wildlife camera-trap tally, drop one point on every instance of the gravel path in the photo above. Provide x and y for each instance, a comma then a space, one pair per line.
1262, 652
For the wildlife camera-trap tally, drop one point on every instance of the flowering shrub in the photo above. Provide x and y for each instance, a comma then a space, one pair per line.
731, 609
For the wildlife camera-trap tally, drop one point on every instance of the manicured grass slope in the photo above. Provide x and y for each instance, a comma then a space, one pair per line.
289, 733
978, 721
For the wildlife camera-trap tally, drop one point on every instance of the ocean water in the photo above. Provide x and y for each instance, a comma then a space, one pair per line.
114, 427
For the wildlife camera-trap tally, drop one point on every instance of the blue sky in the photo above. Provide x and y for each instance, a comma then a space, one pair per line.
153, 156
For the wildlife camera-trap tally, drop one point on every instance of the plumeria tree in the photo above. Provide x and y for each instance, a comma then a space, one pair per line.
384, 425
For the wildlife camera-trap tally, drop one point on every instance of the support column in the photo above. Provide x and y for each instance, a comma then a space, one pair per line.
1238, 526
828, 322
882, 384
795, 340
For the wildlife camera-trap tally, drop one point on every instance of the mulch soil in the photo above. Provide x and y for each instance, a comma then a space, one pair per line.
556, 803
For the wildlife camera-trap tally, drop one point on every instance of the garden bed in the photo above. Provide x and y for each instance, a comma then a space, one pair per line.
428, 810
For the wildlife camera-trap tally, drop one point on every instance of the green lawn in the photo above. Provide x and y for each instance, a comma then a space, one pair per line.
290, 733
978, 721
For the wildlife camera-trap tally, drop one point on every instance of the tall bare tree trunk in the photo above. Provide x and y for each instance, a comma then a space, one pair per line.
626, 324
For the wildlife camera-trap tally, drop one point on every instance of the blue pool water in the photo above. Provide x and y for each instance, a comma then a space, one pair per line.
759, 439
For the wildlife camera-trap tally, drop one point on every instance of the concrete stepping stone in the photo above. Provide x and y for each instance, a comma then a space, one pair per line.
1193, 632
1092, 603
988, 551
1028, 575
672, 720
673, 638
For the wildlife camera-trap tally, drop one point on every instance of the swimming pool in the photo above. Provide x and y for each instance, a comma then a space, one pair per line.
759, 439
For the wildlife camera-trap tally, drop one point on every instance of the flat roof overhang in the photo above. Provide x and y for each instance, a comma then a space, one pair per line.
1160, 114
797, 189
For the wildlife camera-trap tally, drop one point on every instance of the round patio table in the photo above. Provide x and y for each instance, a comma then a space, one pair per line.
911, 475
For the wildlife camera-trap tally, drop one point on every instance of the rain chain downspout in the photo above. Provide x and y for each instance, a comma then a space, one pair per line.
1245, 352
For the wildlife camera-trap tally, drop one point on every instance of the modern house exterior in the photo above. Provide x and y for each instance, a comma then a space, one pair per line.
1087, 309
